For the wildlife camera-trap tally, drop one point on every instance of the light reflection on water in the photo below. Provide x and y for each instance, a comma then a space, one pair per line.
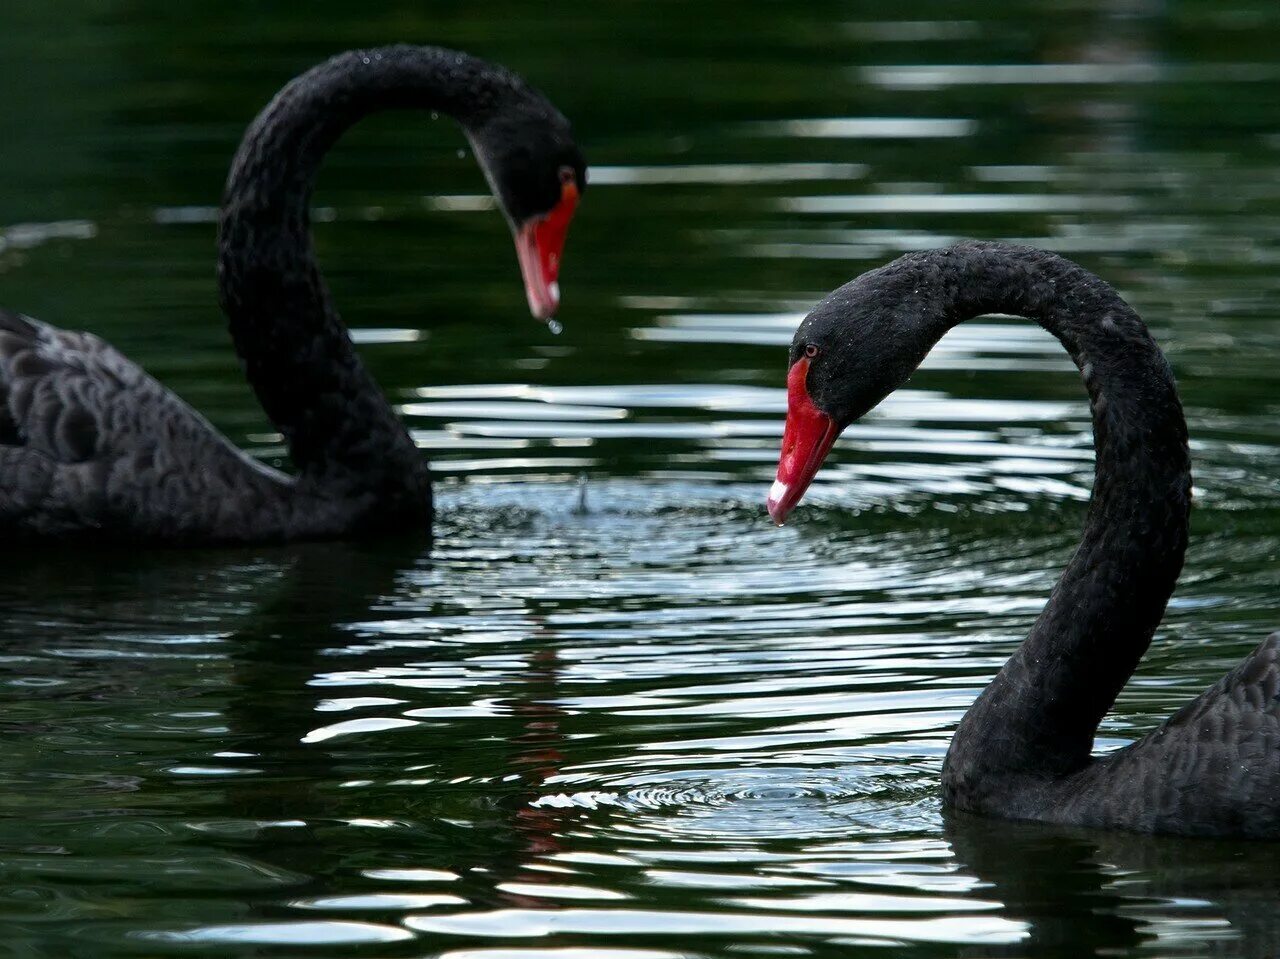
613, 713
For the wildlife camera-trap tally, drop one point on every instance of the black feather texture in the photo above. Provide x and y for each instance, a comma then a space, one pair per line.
1024, 749
91, 446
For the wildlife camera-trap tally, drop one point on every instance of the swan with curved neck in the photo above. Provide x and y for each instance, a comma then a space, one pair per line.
1024, 749
92, 446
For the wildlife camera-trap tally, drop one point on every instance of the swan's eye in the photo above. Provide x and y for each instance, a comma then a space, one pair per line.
567, 175
811, 351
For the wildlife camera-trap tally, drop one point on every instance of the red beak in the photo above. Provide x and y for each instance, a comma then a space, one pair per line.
539, 246
807, 439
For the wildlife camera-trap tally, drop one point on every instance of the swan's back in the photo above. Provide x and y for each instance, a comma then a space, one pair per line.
91, 444
1212, 768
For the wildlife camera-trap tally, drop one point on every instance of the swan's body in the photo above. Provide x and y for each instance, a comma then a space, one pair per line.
91, 446
1024, 750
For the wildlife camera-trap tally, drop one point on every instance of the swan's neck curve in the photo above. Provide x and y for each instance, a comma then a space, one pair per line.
344, 438
1038, 717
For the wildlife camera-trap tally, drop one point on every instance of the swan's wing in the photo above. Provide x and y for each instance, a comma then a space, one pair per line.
1220, 752
89, 441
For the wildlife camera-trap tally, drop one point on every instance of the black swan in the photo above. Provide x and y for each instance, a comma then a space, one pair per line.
1024, 749
91, 446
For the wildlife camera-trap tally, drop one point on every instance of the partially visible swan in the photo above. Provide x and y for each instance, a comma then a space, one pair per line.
1024, 750
91, 446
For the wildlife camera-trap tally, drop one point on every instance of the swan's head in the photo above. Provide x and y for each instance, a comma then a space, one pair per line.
537, 174
855, 348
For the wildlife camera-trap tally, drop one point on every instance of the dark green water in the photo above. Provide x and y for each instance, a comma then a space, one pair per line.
660, 728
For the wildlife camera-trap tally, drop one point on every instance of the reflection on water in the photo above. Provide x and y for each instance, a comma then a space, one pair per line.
614, 713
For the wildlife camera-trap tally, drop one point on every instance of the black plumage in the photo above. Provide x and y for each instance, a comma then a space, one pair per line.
1024, 749
91, 446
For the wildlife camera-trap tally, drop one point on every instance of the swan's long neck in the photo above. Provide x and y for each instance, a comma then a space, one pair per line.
1039, 715
344, 438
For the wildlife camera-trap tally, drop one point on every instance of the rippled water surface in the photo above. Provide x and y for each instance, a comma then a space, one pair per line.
613, 712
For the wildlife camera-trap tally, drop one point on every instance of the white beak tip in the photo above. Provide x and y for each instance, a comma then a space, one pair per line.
777, 493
